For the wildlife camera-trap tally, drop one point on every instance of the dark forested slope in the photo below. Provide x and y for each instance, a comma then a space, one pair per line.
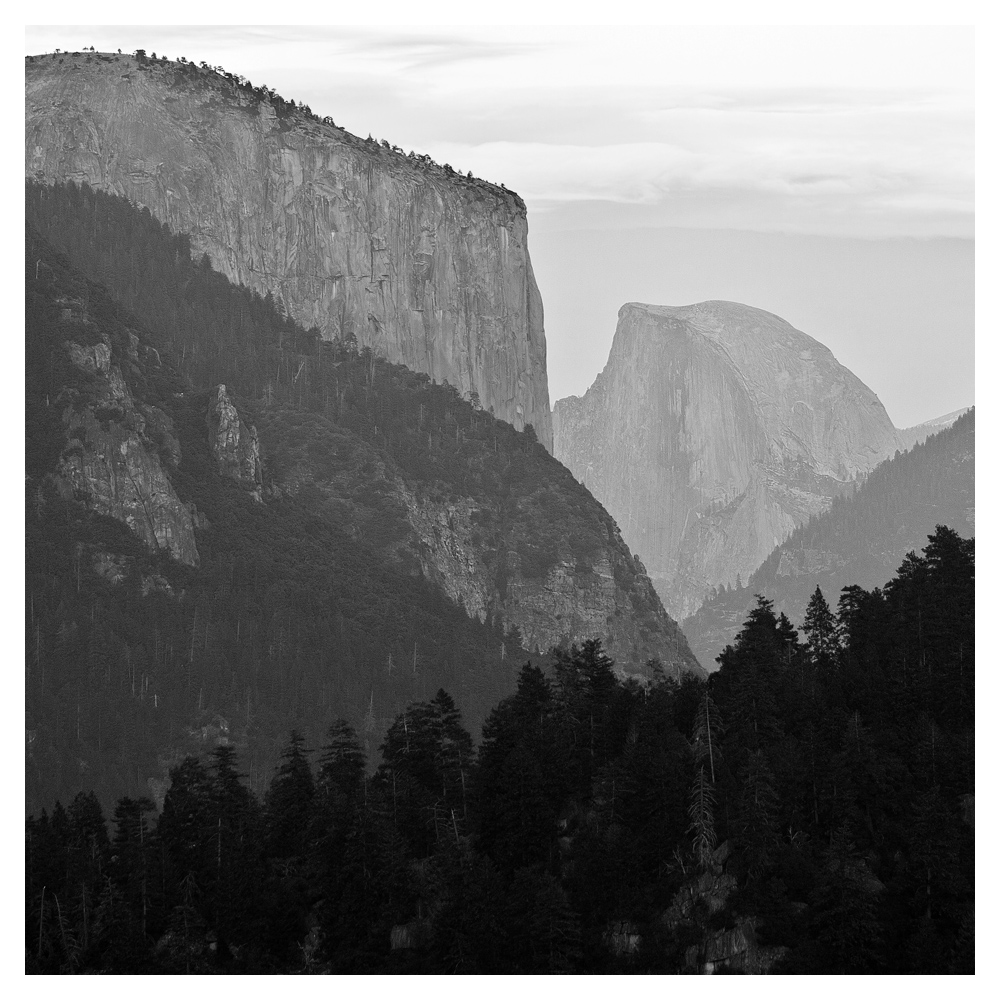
335, 581
809, 809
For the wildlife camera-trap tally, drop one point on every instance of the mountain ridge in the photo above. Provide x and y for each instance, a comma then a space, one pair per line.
288, 204
359, 535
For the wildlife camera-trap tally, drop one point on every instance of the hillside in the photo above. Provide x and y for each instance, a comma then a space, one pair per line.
860, 540
323, 521
909, 436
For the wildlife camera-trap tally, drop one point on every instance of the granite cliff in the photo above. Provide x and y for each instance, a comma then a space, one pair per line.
425, 266
712, 432
117, 448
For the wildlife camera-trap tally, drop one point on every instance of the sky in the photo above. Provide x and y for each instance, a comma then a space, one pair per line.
822, 173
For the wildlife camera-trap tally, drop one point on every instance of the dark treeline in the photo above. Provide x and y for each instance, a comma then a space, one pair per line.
808, 809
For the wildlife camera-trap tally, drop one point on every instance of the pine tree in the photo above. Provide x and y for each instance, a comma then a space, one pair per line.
289, 803
820, 627
340, 783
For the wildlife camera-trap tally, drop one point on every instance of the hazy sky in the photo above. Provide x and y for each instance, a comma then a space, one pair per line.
845, 133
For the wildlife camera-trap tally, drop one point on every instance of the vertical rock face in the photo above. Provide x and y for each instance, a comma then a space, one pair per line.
609, 597
424, 266
233, 442
712, 432
114, 458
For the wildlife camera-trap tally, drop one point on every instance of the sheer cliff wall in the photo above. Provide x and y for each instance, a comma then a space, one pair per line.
425, 266
712, 432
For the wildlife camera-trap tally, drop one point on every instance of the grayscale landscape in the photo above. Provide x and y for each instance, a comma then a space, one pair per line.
499, 500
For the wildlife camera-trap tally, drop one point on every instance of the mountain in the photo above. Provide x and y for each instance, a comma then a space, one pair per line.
425, 266
859, 540
909, 436
235, 527
713, 431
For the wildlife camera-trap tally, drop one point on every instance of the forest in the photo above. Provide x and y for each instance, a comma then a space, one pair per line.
808, 809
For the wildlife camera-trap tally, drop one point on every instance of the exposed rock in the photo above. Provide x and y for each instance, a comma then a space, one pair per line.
712, 432
110, 566
807, 561
113, 460
697, 907
622, 938
424, 266
233, 442
488, 554
610, 597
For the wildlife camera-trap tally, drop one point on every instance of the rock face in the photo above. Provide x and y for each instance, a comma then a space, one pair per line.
712, 432
233, 442
485, 552
610, 597
114, 455
424, 266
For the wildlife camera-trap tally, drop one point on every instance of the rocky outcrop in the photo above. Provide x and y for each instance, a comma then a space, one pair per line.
699, 909
114, 456
233, 442
608, 596
424, 266
712, 432
487, 553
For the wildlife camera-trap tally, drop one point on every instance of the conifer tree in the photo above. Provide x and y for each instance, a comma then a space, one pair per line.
288, 807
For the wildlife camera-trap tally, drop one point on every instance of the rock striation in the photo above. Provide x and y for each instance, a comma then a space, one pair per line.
424, 266
116, 452
487, 552
609, 597
712, 432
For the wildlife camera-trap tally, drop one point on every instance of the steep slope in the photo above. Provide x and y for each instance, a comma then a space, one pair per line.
909, 436
341, 524
712, 432
521, 539
859, 540
426, 267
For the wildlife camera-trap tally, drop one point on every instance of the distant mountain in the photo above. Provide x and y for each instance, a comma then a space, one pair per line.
861, 540
919, 433
714, 430
235, 528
